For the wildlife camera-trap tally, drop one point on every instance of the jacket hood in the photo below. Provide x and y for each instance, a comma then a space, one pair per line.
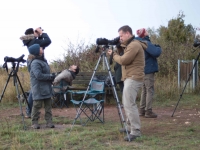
143, 44
147, 38
29, 60
27, 38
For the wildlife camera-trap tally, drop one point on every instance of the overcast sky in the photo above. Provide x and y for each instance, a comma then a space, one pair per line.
84, 20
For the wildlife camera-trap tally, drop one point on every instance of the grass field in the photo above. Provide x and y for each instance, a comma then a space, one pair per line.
180, 132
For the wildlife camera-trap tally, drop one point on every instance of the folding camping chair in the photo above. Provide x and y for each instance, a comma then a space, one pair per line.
91, 107
60, 94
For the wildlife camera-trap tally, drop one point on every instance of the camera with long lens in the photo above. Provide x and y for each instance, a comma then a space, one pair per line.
106, 42
37, 31
196, 42
13, 60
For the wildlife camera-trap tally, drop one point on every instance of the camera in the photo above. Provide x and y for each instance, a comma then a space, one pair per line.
196, 43
104, 41
11, 59
37, 31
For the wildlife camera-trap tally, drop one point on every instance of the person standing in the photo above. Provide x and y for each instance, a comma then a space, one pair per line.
118, 75
41, 85
151, 67
34, 37
132, 62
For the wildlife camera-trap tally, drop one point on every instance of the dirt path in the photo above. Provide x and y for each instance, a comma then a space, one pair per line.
184, 117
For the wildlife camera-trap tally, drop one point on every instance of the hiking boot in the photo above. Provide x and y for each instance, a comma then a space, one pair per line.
150, 114
50, 125
28, 116
35, 126
141, 112
131, 137
123, 130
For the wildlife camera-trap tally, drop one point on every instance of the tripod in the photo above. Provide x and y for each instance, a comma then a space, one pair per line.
195, 63
13, 73
123, 122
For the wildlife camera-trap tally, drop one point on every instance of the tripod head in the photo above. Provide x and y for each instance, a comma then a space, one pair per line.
196, 42
14, 61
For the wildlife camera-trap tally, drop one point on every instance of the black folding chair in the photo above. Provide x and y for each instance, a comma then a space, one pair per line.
92, 107
60, 94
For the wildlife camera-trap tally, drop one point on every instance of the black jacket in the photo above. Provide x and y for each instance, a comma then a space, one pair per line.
30, 39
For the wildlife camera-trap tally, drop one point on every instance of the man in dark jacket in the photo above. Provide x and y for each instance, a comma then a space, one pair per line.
34, 37
118, 75
41, 85
151, 66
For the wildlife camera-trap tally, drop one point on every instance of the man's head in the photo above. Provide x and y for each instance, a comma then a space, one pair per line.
125, 33
31, 31
142, 32
74, 68
36, 50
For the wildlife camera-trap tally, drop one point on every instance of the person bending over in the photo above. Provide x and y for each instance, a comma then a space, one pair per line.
68, 75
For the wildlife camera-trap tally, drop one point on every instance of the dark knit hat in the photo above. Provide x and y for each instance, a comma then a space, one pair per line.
29, 31
34, 49
141, 32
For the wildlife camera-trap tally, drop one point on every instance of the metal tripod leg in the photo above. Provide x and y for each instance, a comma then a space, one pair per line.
116, 98
103, 55
15, 79
186, 84
79, 110
18, 97
5, 87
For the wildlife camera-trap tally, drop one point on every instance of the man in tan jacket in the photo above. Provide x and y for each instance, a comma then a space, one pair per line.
133, 63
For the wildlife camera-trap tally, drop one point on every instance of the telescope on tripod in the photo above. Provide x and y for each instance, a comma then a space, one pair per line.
104, 46
196, 44
13, 73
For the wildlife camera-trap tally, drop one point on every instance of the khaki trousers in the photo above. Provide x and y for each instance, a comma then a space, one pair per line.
37, 105
147, 92
130, 91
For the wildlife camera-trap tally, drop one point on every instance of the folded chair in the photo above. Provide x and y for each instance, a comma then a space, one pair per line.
93, 105
60, 94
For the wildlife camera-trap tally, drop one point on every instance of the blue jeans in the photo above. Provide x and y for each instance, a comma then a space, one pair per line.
30, 103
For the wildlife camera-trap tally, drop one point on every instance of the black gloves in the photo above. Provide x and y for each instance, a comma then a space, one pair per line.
52, 76
157, 45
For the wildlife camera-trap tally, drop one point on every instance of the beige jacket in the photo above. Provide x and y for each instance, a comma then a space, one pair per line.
66, 76
133, 60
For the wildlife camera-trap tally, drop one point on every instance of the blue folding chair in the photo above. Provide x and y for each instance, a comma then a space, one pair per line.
92, 106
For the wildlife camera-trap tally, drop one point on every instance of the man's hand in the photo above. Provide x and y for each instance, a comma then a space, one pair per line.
39, 31
110, 51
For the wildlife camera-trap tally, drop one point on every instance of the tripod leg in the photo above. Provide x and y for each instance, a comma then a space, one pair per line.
22, 91
116, 98
5, 86
186, 84
79, 110
20, 105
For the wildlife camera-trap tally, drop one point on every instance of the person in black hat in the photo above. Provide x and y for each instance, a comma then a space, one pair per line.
41, 82
34, 37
